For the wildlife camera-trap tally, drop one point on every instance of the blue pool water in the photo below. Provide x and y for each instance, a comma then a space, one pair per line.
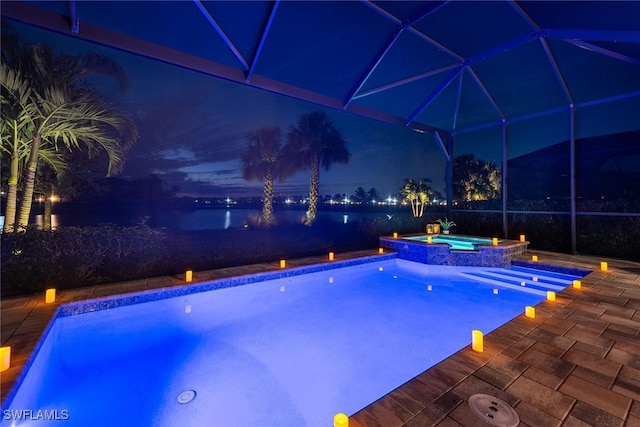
287, 352
460, 243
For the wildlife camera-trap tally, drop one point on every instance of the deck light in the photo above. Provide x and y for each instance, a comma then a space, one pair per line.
604, 266
429, 287
429, 239
50, 296
534, 278
577, 284
534, 258
380, 250
522, 238
331, 279
340, 420
436, 228
530, 312
551, 296
495, 241
5, 358
283, 263
477, 341
429, 228
395, 235
188, 276
495, 292
331, 255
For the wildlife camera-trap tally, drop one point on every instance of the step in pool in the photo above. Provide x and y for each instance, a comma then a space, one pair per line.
533, 281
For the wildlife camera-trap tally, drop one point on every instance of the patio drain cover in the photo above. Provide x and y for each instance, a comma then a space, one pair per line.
186, 396
494, 411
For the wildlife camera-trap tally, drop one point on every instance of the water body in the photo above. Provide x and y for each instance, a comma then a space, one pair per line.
215, 219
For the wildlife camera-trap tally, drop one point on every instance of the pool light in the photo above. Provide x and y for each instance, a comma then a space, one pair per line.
188, 276
604, 266
5, 358
340, 420
551, 296
477, 341
530, 312
577, 284
331, 256
523, 238
283, 263
534, 258
50, 296
495, 241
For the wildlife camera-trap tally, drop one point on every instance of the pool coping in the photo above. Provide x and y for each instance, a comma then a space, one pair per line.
600, 323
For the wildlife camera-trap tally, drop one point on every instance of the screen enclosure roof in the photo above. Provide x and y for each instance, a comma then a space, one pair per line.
445, 66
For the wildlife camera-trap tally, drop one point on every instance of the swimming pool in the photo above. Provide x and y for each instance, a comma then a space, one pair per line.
286, 352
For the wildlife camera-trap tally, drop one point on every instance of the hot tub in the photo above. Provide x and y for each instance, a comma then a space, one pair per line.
455, 249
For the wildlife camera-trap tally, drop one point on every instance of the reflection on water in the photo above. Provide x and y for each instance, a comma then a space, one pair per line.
209, 219
227, 220
39, 221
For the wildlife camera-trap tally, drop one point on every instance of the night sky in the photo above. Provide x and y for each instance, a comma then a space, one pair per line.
193, 129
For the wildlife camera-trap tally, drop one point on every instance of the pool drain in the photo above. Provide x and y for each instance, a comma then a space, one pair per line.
186, 396
493, 410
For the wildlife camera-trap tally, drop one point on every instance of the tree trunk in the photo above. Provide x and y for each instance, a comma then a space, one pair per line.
267, 203
414, 208
314, 188
12, 187
30, 179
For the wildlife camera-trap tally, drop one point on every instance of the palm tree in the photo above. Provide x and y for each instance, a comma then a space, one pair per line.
475, 179
417, 193
360, 195
264, 160
373, 194
15, 128
56, 111
315, 141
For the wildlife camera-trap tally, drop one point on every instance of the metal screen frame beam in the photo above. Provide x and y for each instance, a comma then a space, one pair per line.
434, 94
602, 51
593, 35
73, 16
401, 82
372, 67
505, 185
263, 39
221, 33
